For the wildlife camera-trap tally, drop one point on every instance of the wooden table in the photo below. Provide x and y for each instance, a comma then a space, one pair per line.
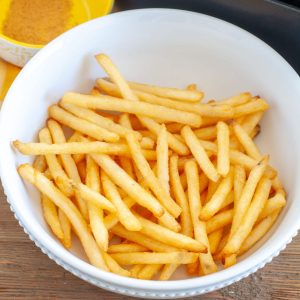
26, 273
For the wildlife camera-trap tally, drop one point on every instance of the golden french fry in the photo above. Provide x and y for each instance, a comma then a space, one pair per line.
150, 178
214, 239
155, 258
149, 271
251, 107
215, 203
40, 163
174, 127
259, 199
56, 170
95, 212
229, 260
258, 232
114, 267
68, 163
83, 126
200, 232
167, 271
126, 217
223, 163
147, 143
169, 237
219, 220
142, 239
236, 100
46, 187
51, 216
243, 204
135, 270
163, 158
206, 133
126, 248
177, 189
246, 141
131, 187
251, 121
110, 103
199, 153
66, 228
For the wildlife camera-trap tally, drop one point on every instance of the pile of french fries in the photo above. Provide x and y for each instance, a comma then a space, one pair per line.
168, 181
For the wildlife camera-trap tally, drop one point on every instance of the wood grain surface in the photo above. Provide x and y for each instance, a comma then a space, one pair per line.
26, 273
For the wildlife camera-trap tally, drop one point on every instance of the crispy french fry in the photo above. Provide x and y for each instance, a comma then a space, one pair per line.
66, 228
165, 235
246, 141
126, 217
114, 267
135, 270
214, 239
66, 205
155, 258
199, 153
131, 187
150, 178
251, 107
56, 170
149, 271
215, 203
125, 248
142, 239
260, 197
223, 163
163, 159
147, 143
258, 232
96, 213
185, 218
236, 100
206, 133
81, 125
251, 121
242, 205
229, 260
206, 261
97, 119
51, 216
140, 108
219, 220
167, 271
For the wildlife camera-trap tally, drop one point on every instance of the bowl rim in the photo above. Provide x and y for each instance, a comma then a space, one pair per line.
246, 266
108, 8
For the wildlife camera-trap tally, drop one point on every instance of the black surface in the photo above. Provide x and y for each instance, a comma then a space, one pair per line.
274, 22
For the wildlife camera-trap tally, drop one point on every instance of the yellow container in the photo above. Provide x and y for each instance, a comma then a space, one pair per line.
18, 53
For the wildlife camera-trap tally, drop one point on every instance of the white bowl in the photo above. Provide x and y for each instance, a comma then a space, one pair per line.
167, 47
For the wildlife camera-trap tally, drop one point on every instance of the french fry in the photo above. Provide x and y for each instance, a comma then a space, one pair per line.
51, 216
251, 121
236, 100
246, 141
169, 237
67, 162
214, 239
96, 213
215, 203
126, 165
56, 170
149, 271
126, 248
149, 177
229, 260
168, 271
142, 239
135, 270
114, 267
66, 228
147, 143
163, 158
40, 163
110, 103
258, 232
206, 133
251, 107
200, 233
199, 153
177, 94
185, 218
155, 258
81, 125
97, 119
46, 187
219, 220
259, 199
131, 187
223, 163
126, 217
242, 205
174, 127
194, 268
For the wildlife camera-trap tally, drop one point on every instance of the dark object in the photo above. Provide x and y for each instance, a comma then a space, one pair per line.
274, 22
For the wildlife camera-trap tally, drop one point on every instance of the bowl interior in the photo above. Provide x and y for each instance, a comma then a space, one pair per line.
164, 47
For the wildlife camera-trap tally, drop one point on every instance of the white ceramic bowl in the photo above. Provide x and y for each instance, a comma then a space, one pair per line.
167, 47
